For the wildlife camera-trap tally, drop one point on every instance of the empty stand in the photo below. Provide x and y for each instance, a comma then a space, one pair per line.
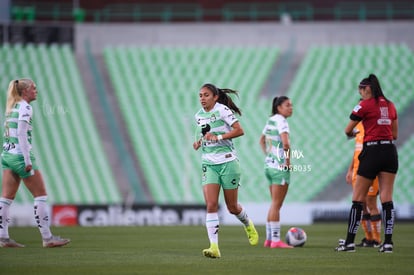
66, 142
158, 92
157, 88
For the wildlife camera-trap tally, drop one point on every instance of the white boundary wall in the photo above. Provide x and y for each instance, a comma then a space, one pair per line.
291, 214
300, 35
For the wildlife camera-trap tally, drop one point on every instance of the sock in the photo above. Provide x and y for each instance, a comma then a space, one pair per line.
268, 231
388, 215
275, 229
212, 225
366, 225
42, 216
354, 220
242, 216
4, 217
376, 227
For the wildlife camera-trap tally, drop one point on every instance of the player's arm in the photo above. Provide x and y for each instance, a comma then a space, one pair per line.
286, 146
349, 129
262, 142
348, 177
22, 128
236, 131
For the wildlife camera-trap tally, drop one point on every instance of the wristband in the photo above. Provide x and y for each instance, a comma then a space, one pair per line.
220, 137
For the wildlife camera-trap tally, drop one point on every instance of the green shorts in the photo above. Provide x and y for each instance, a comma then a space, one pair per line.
226, 174
16, 163
275, 176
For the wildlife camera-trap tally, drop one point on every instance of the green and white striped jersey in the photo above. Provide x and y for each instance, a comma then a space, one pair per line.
220, 119
21, 111
275, 125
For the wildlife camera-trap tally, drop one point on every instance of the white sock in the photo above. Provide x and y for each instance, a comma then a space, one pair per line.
242, 216
275, 231
212, 225
42, 216
4, 217
268, 231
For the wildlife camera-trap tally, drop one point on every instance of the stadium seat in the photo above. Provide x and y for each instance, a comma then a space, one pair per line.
159, 86
162, 84
64, 128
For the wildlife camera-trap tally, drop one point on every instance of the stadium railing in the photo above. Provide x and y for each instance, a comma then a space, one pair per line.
195, 12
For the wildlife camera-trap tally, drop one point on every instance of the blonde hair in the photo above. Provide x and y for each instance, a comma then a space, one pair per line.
14, 93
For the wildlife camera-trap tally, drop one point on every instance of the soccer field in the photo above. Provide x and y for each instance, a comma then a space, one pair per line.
177, 250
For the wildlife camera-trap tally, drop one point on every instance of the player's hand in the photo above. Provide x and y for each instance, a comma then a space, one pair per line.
211, 137
348, 177
28, 168
197, 144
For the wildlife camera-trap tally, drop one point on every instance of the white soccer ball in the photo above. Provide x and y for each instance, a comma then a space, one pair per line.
296, 236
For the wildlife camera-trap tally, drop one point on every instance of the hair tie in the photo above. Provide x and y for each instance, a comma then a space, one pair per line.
16, 82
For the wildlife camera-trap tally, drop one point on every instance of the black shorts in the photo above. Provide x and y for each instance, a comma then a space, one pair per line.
376, 157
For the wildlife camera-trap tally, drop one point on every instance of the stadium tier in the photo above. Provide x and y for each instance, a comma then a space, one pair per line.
66, 142
158, 92
157, 88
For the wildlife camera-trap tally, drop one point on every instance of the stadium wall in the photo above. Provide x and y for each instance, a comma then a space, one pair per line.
301, 35
185, 215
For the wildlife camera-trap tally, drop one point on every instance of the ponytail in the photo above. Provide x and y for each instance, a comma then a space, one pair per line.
223, 97
14, 92
277, 101
374, 83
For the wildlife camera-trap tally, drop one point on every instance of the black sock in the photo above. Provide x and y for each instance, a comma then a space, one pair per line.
388, 216
354, 221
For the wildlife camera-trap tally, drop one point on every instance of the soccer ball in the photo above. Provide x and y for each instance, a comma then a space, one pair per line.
296, 236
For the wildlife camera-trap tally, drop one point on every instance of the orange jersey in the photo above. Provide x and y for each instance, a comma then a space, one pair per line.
359, 140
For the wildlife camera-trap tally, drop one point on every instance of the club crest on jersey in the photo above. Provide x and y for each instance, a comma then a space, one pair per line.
213, 118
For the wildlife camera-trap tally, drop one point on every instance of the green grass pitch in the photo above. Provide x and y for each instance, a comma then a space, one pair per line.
177, 250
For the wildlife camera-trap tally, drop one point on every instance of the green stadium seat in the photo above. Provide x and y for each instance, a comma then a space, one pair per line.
64, 127
163, 84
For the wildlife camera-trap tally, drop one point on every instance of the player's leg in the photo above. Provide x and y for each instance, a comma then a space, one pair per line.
278, 194
372, 205
355, 214
211, 191
278, 187
10, 185
36, 186
230, 179
366, 226
386, 186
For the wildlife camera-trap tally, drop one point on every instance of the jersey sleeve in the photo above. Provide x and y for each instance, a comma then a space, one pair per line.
358, 112
25, 113
283, 126
228, 116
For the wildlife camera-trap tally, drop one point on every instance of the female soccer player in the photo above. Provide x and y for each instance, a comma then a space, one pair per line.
19, 163
275, 143
220, 165
378, 158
